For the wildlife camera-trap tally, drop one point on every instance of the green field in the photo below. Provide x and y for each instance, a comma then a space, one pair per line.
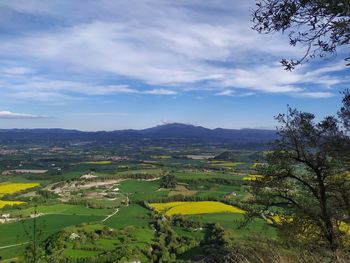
134, 215
142, 190
153, 172
232, 223
63, 209
184, 175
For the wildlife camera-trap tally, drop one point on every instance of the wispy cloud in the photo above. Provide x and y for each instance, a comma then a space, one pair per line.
160, 92
14, 115
315, 95
160, 47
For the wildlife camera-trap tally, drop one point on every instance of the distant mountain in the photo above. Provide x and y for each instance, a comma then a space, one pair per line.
173, 131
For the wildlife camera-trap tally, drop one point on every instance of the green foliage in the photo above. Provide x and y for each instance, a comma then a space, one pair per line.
305, 178
168, 181
321, 26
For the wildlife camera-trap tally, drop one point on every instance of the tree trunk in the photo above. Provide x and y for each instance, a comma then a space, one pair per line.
327, 220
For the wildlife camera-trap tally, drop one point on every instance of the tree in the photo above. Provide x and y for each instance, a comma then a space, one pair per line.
34, 253
306, 178
321, 26
344, 112
168, 181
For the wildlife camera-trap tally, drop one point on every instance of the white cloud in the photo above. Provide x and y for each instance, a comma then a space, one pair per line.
316, 95
225, 93
13, 115
160, 92
175, 45
232, 93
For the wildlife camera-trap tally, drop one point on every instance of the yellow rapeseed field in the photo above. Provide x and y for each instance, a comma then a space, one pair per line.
4, 203
162, 207
97, 162
252, 177
10, 188
193, 208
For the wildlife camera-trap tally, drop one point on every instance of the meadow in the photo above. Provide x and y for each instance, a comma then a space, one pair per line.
60, 209
139, 190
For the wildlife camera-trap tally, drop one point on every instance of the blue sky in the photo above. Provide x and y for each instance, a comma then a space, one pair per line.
109, 64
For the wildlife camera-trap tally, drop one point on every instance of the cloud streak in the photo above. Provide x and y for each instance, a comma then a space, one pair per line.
22, 116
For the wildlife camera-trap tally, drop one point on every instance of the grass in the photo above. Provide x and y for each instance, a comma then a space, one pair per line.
197, 175
232, 223
12, 253
63, 209
193, 208
142, 190
132, 215
219, 190
198, 235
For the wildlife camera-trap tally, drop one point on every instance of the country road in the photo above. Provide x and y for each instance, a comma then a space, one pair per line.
15, 245
116, 211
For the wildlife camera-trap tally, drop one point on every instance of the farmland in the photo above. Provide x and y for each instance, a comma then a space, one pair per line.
10, 188
110, 207
9, 203
193, 208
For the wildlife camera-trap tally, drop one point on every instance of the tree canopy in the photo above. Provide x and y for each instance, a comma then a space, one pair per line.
321, 26
305, 183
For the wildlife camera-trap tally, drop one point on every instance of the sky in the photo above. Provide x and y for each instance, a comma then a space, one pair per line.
115, 64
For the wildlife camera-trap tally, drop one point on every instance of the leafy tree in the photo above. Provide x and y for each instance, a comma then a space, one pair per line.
217, 244
321, 26
169, 181
306, 178
344, 112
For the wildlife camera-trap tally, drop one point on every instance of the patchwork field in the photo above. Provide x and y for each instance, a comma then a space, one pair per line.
193, 208
103, 205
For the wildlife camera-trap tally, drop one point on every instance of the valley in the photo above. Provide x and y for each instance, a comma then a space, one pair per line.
93, 203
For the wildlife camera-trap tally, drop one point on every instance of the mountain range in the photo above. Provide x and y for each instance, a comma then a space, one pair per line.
173, 131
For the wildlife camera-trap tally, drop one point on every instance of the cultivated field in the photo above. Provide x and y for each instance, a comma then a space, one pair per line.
10, 188
193, 208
